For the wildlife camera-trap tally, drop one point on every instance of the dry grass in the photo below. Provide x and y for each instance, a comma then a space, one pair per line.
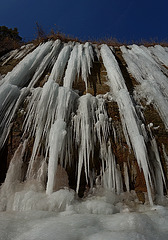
68, 38
54, 35
41, 36
152, 42
8, 44
110, 41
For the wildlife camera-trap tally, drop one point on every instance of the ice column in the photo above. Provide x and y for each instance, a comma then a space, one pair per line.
59, 66
71, 70
90, 126
128, 114
56, 138
84, 135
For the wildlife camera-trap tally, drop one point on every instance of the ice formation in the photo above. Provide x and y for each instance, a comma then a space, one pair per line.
80, 61
148, 73
77, 135
128, 114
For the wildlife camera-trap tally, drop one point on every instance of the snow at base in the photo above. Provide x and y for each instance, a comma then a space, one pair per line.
100, 216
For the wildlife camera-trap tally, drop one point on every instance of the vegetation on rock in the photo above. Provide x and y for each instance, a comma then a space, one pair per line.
9, 39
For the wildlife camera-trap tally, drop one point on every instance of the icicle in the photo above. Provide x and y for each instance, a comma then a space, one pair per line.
152, 92
46, 62
22, 73
8, 95
86, 61
119, 183
80, 165
113, 71
165, 157
159, 178
154, 84
128, 114
29, 120
91, 120
12, 54
42, 172
96, 50
11, 98
7, 55
24, 50
80, 55
46, 106
71, 70
159, 53
144, 67
126, 177
59, 66
83, 125
43, 116
80, 62
88, 50
57, 134
84, 68
56, 138
111, 175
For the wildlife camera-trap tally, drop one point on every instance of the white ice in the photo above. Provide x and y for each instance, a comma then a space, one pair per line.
147, 72
49, 111
47, 61
80, 62
22, 73
71, 70
10, 99
160, 54
59, 66
91, 124
128, 114
56, 138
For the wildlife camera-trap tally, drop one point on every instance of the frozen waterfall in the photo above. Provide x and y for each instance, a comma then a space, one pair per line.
99, 141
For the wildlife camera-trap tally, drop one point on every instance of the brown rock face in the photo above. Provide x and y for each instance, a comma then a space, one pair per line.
61, 179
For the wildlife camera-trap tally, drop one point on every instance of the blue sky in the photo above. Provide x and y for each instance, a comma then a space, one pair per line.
128, 20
